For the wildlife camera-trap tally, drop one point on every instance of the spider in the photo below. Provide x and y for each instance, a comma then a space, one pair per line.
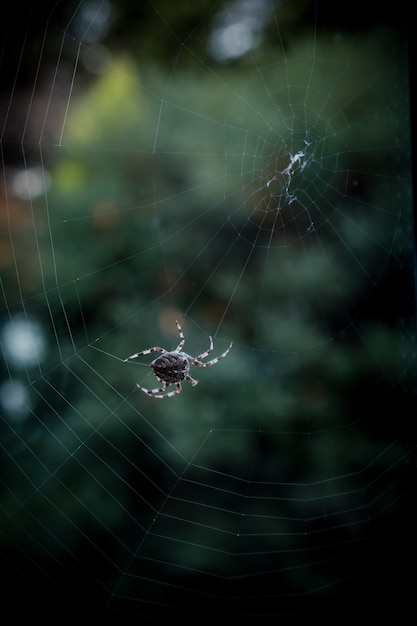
170, 368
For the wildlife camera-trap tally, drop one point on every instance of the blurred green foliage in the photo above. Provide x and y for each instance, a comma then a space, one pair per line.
152, 212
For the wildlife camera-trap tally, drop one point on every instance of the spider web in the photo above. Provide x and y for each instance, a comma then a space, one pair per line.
243, 167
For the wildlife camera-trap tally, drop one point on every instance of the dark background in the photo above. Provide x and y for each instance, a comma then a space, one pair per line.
68, 547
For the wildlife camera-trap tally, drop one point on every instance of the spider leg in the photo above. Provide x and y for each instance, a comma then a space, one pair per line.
182, 338
204, 354
213, 361
160, 391
191, 380
143, 352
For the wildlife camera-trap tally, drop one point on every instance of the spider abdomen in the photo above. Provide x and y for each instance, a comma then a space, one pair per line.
171, 367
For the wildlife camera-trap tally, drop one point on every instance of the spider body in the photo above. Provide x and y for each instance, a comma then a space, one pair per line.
171, 368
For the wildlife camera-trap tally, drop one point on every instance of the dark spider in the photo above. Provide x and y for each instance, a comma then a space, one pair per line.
170, 368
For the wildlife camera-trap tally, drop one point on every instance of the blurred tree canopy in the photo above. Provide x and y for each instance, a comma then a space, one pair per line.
132, 204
